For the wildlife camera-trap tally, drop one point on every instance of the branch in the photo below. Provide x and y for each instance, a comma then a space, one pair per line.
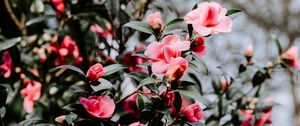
19, 23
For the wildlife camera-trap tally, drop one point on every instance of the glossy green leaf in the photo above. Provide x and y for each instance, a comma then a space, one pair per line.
140, 53
177, 102
8, 43
104, 84
174, 22
192, 95
140, 26
147, 81
113, 69
233, 11
70, 67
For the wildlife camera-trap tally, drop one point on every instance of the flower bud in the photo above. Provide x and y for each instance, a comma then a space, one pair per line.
154, 20
193, 112
60, 119
249, 52
291, 56
95, 72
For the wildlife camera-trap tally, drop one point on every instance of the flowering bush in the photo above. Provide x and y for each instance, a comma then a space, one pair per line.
80, 71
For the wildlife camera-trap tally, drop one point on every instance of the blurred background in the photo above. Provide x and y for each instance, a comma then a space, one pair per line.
259, 24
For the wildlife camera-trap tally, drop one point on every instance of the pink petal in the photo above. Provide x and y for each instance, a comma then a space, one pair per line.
169, 52
183, 46
170, 40
28, 105
192, 16
153, 51
159, 67
202, 30
224, 26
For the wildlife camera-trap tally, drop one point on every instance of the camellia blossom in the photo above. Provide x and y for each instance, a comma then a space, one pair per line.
6, 67
95, 72
59, 5
99, 106
31, 93
154, 20
209, 18
193, 112
165, 56
291, 56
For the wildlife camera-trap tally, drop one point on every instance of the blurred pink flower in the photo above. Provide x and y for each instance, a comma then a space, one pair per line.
31, 93
154, 20
6, 67
67, 48
130, 104
60, 119
209, 18
249, 51
193, 112
106, 33
136, 124
291, 56
133, 61
95, 72
247, 114
99, 106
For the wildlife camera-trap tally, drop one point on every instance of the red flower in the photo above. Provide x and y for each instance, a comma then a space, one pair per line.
6, 67
59, 5
193, 112
99, 106
133, 61
198, 46
106, 33
95, 72
31, 93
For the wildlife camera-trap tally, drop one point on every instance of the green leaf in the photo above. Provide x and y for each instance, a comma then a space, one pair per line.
3, 96
140, 26
31, 122
114, 7
278, 45
104, 84
9, 43
38, 19
177, 102
192, 95
70, 67
113, 68
71, 118
233, 11
200, 61
173, 22
140, 103
76, 108
147, 81
140, 53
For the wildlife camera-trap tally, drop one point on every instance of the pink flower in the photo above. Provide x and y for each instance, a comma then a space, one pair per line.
165, 56
209, 18
136, 124
176, 68
193, 113
106, 33
99, 106
59, 5
225, 83
133, 61
95, 72
6, 67
265, 118
130, 104
31, 93
154, 20
291, 56
247, 114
